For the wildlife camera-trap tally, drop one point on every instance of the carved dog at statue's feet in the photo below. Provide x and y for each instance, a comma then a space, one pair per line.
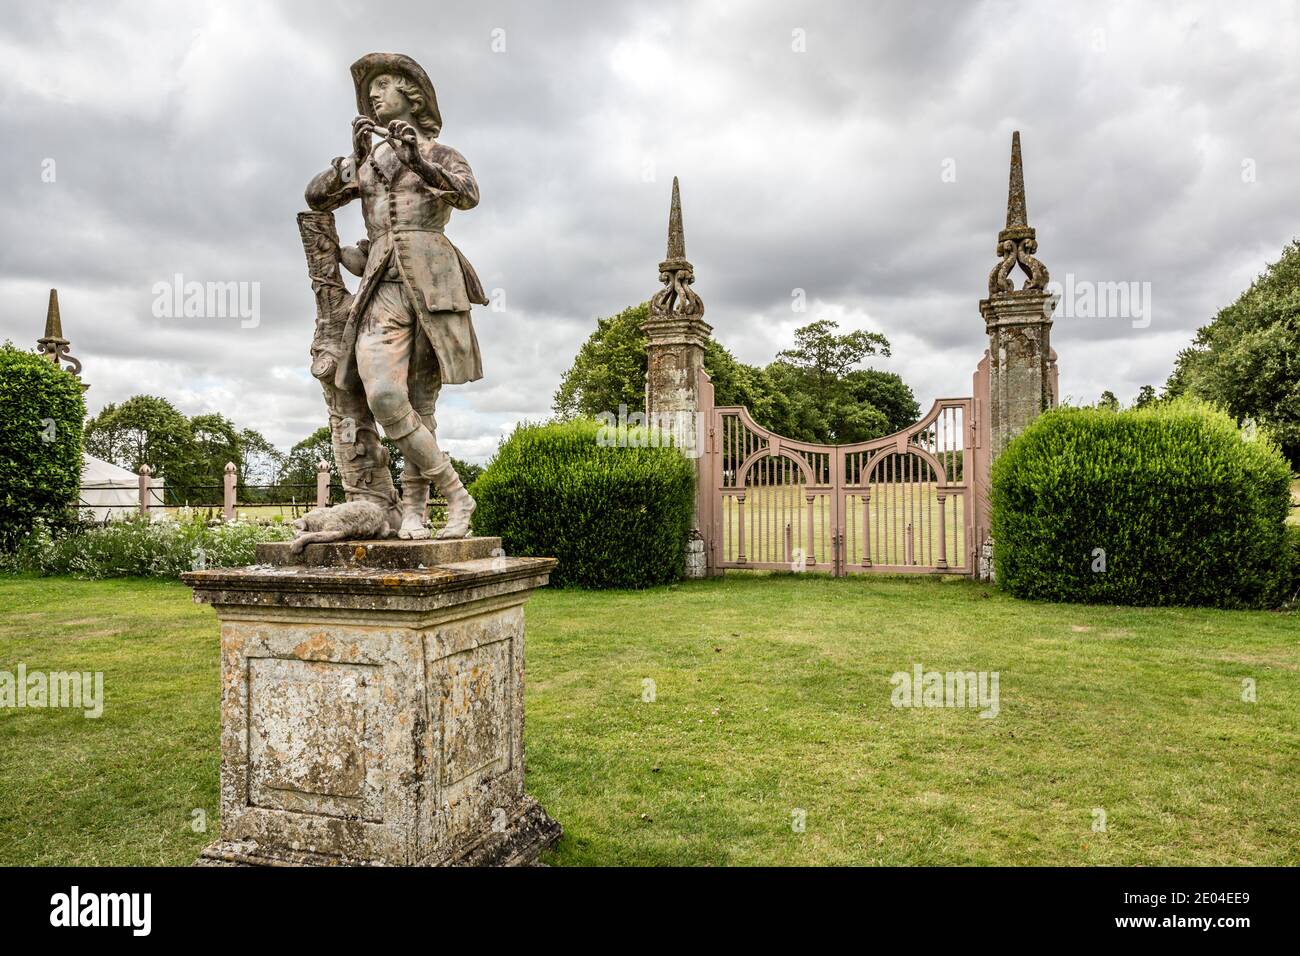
350, 521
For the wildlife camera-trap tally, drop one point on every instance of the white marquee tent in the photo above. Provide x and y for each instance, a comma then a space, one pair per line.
108, 491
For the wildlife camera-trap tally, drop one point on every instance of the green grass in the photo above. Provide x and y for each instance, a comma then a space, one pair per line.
772, 693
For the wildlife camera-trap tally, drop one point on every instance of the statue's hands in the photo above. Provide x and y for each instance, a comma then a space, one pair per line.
354, 257
405, 143
362, 127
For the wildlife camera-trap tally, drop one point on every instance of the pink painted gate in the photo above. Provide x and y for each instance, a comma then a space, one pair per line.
902, 503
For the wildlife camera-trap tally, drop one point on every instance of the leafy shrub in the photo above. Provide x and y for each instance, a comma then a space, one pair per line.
138, 547
41, 413
613, 516
1187, 509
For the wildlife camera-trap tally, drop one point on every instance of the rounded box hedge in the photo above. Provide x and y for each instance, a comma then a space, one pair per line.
614, 512
1169, 504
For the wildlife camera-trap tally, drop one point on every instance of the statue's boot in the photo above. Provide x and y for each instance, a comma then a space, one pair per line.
425, 463
422, 454
415, 503
460, 506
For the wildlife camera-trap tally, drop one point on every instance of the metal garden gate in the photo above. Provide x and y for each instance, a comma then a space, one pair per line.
902, 503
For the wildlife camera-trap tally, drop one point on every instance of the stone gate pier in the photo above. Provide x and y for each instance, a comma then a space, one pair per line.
1018, 379
372, 705
678, 393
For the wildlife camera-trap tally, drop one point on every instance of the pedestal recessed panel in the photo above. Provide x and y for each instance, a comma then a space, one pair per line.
314, 741
477, 691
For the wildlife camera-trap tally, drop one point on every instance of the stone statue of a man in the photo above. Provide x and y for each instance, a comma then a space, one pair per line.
408, 331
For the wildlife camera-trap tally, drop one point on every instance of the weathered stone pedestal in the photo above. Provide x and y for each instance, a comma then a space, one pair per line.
372, 705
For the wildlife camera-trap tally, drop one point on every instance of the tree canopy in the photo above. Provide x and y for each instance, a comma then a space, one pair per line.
814, 391
188, 454
1247, 359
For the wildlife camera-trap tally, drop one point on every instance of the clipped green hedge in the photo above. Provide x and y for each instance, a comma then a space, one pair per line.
41, 414
1186, 508
615, 517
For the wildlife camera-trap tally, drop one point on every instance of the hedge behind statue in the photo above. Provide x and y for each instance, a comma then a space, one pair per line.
614, 517
1170, 504
41, 414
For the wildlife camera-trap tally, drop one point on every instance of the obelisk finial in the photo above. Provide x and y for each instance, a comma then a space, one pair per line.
53, 323
1018, 242
676, 238
1016, 213
676, 272
52, 344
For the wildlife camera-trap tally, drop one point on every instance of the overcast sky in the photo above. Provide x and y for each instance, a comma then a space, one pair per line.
856, 151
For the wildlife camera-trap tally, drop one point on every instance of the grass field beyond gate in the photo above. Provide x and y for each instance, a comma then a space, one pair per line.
901, 523
771, 695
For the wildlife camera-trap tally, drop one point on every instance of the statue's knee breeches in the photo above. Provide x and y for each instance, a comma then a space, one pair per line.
397, 364
392, 410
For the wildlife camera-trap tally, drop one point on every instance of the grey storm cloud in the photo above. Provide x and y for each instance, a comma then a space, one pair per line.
856, 152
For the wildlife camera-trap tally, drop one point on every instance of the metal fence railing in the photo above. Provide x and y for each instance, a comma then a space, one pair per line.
229, 497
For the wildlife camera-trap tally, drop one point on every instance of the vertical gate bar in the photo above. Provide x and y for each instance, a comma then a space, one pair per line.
866, 527
769, 510
931, 493
957, 549
740, 525
884, 524
796, 513
812, 524
913, 476
909, 490
785, 516
943, 541
821, 528
834, 479
900, 528
729, 553
908, 553
887, 507
768, 532
850, 513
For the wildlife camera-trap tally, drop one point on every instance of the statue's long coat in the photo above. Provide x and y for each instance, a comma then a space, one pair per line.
405, 217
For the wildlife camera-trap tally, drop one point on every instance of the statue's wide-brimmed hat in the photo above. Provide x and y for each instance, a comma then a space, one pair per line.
376, 64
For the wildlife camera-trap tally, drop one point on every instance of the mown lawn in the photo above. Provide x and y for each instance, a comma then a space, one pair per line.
772, 694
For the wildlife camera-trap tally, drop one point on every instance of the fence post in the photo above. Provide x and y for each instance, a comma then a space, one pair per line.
228, 492
322, 484
144, 489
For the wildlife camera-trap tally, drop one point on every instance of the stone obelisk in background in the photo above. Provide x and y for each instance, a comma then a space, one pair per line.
1017, 379
677, 389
